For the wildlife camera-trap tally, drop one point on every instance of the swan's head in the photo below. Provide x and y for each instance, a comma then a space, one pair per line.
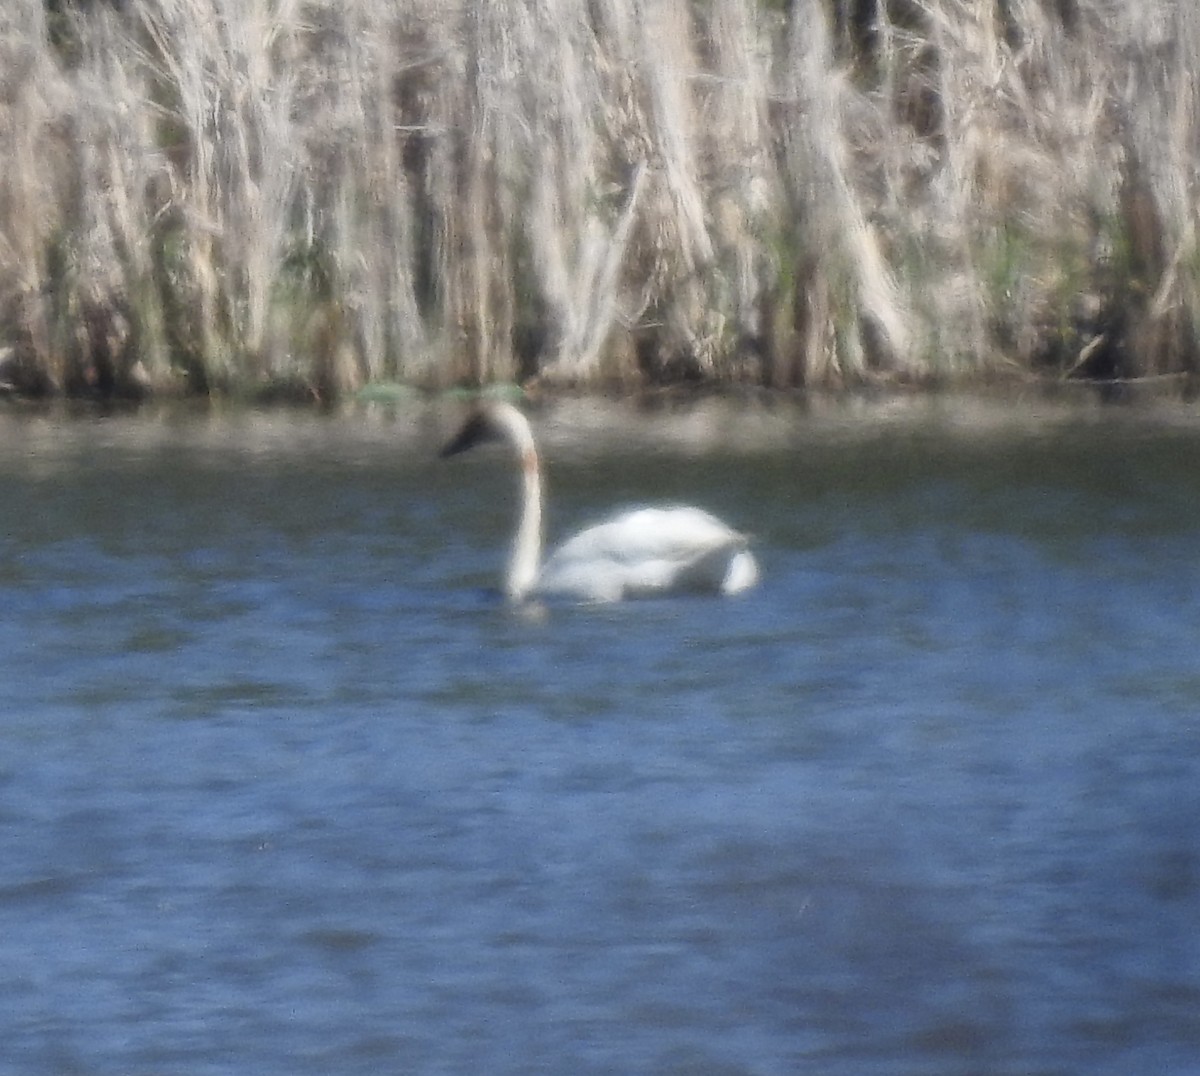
493, 420
475, 431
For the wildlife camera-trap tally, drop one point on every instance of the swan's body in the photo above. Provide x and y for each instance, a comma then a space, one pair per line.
639, 553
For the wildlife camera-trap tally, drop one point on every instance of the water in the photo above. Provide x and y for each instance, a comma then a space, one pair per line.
285, 789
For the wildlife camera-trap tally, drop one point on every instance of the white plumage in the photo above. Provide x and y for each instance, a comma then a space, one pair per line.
639, 553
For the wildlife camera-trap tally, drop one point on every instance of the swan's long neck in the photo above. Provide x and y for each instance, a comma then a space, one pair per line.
526, 556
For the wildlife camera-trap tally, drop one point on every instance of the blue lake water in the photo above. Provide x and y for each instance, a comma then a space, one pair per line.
285, 788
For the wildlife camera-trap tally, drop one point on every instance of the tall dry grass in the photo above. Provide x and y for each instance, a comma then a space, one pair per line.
309, 195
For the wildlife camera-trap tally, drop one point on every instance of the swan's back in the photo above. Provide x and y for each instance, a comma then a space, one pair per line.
651, 551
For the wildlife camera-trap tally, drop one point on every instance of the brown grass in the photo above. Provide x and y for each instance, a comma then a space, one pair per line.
305, 196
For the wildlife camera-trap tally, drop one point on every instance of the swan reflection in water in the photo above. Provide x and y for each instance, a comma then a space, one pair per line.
643, 552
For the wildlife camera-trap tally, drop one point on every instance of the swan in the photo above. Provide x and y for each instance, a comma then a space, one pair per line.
642, 552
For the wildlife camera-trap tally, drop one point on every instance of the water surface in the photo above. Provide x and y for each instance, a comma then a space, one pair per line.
284, 788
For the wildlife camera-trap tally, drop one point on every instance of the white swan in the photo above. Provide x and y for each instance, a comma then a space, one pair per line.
639, 553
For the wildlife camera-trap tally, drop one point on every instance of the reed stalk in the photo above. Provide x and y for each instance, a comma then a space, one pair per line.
307, 196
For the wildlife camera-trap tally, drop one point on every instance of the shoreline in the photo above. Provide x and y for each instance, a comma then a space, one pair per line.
580, 425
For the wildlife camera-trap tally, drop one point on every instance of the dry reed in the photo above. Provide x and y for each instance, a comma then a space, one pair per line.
309, 195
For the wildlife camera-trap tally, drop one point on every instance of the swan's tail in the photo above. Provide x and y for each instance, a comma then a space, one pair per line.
741, 574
